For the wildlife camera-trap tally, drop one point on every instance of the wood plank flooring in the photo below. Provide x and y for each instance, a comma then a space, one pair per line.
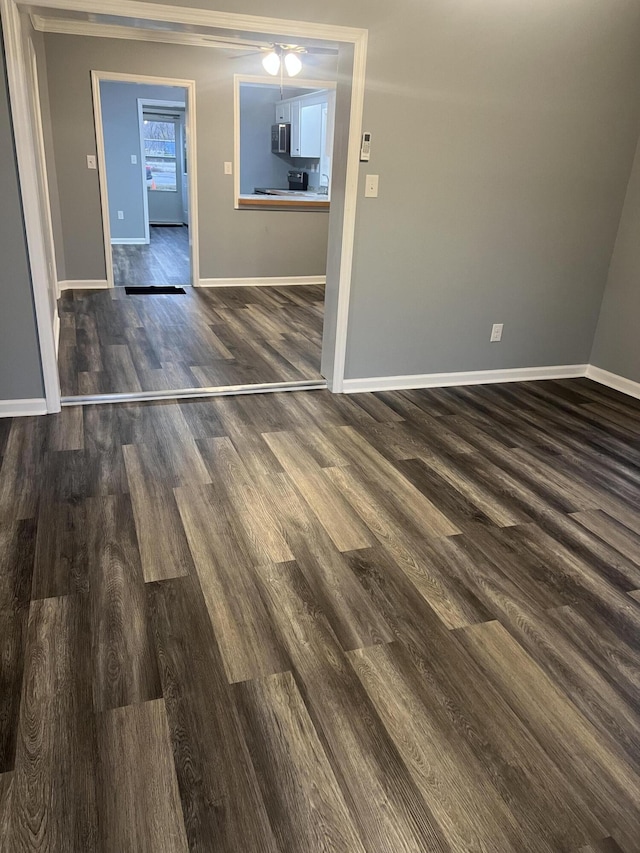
114, 343
164, 260
392, 623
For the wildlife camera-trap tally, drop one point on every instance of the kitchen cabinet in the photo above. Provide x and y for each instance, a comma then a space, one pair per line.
283, 112
306, 129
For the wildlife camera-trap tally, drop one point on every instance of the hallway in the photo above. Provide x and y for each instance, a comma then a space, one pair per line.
165, 260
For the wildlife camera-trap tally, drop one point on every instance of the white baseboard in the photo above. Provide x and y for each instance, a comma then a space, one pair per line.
270, 281
613, 380
23, 408
56, 329
477, 377
83, 284
129, 241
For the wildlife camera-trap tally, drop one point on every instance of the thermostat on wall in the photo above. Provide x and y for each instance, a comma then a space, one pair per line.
365, 148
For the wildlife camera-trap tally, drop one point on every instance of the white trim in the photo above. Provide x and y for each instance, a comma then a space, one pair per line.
190, 128
270, 281
613, 380
175, 19
102, 176
23, 103
23, 408
143, 173
198, 17
130, 241
187, 393
56, 328
349, 216
83, 284
475, 377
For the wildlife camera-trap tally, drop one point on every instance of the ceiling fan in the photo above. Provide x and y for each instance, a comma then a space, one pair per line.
280, 56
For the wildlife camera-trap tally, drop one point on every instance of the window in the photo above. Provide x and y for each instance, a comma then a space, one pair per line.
159, 136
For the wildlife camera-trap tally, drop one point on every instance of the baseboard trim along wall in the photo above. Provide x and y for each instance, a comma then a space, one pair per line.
83, 284
613, 380
476, 377
23, 408
271, 281
129, 241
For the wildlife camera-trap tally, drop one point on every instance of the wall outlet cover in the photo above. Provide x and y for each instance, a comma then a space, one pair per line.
496, 332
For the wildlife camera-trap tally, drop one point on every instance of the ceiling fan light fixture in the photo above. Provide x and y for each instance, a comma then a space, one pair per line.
292, 64
271, 63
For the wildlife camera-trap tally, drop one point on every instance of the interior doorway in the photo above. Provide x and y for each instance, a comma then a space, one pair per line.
143, 142
248, 33
159, 254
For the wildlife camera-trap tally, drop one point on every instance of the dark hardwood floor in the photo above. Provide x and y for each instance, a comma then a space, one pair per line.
165, 260
114, 343
392, 623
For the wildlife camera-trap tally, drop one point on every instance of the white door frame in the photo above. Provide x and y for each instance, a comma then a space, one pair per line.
143, 104
22, 95
189, 86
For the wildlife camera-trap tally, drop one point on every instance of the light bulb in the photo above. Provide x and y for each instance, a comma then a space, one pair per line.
292, 64
271, 63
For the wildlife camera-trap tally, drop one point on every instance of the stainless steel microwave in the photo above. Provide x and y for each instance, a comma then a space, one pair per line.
280, 138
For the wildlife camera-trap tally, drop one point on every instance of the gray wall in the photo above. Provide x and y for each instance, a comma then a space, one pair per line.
617, 343
122, 139
503, 134
232, 243
20, 374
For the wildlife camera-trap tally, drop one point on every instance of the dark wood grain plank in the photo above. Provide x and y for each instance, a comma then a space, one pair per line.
467, 806
122, 653
336, 516
363, 757
164, 552
53, 799
223, 561
607, 783
307, 810
138, 793
221, 802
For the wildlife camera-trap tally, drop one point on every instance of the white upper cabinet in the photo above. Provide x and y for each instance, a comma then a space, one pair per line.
307, 126
283, 112
310, 130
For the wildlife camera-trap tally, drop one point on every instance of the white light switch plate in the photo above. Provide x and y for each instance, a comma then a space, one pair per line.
121, 214
228, 167
91, 161
371, 186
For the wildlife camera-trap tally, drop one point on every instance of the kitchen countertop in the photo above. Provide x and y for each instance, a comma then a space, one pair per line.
285, 198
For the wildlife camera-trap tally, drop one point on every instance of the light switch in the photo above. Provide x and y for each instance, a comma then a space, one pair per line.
121, 214
134, 159
91, 161
228, 167
371, 186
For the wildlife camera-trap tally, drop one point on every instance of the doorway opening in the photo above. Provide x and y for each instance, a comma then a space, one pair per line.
243, 33
143, 136
158, 253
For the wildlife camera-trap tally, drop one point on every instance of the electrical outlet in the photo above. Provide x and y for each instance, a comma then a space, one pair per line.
496, 332
91, 161
134, 159
228, 167
121, 214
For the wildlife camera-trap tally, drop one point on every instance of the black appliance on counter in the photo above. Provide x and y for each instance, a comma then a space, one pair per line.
298, 180
280, 138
